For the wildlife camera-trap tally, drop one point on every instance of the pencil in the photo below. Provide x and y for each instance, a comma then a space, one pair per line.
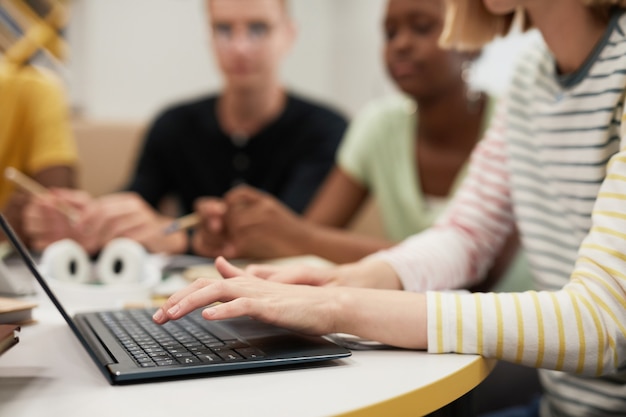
183, 223
33, 187
25, 182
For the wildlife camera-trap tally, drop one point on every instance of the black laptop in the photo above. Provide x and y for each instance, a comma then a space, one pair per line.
129, 348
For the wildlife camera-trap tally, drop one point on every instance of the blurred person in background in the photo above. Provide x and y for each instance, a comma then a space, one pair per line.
408, 152
36, 138
254, 131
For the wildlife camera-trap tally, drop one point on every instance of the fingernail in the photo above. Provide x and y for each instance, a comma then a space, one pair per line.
172, 311
158, 315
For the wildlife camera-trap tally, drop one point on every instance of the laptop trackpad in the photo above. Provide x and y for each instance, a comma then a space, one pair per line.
268, 337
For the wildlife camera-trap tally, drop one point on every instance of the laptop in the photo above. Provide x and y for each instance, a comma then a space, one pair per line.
128, 347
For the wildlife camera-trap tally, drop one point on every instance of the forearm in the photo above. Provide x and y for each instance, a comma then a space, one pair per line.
339, 246
395, 318
368, 274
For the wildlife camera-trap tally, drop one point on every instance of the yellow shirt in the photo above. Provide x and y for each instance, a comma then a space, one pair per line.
35, 131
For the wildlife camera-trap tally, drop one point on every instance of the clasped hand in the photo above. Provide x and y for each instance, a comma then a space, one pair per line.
247, 223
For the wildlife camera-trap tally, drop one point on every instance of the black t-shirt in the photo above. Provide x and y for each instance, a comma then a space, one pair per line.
186, 154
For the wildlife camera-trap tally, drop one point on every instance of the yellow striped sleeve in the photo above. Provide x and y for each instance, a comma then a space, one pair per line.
608, 251
559, 319
520, 329
581, 333
608, 231
617, 297
600, 333
619, 158
479, 324
540, 330
459, 328
617, 196
439, 323
613, 214
499, 326
604, 268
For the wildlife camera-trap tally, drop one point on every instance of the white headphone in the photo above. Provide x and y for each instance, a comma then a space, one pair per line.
121, 261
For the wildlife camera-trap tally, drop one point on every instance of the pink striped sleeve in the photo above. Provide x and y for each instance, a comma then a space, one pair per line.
460, 247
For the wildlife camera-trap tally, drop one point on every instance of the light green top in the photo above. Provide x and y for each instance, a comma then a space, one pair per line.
378, 152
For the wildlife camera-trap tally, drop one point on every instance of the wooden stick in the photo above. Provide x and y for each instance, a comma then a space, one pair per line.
25, 182
33, 187
183, 223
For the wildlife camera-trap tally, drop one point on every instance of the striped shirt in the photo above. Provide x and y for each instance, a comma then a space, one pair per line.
554, 163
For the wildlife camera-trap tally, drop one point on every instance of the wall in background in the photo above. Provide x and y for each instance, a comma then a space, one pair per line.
131, 58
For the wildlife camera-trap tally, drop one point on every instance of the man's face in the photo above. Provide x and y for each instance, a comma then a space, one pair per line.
250, 38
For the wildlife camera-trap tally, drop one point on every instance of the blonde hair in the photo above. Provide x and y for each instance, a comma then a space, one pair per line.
469, 26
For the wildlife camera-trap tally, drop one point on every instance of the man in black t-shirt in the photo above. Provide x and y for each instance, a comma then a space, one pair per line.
253, 131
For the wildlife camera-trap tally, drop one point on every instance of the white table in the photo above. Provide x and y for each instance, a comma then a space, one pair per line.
49, 373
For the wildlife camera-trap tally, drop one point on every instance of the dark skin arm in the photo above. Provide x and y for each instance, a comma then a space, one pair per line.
337, 201
261, 227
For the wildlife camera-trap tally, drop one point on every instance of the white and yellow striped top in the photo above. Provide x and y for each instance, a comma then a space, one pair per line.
554, 163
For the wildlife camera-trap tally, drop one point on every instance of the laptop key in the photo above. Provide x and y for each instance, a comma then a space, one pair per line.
228, 355
209, 357
189, 360
147, 364
251, 353
166, 362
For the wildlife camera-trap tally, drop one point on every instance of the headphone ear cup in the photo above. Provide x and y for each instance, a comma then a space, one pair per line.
122, 261
66, 260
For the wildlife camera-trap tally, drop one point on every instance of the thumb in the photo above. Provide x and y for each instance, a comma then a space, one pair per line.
243, 195
226, 269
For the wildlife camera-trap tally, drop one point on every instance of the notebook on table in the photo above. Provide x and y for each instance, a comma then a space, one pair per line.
128, 347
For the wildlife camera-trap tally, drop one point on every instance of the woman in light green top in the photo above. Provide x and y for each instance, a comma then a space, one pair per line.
404, 165
379, 153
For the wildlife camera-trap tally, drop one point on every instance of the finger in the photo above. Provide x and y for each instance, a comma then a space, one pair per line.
212, 212
226, 269
212, 222
161, 315
243, 195
211, 292
263, 271
236, 308
204, 202
75, 198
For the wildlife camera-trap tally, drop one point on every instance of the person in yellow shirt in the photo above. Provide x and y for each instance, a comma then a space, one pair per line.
35, 135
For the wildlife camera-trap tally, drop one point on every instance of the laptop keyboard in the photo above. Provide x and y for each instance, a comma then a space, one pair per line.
186, 341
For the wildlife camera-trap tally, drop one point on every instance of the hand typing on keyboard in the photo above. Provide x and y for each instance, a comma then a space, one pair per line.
307, 309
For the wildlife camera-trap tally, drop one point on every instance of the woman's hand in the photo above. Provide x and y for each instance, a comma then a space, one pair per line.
364, 274
392, 317
305, 309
